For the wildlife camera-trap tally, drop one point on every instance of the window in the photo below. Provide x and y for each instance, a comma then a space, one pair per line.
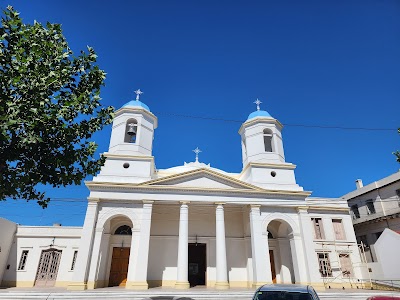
22, 261
324, 265
268, 140
74, 260
362, 239
398, 196
130, 131
345, 265
123, 230
370, 207
339, 229
318, 228
355, 212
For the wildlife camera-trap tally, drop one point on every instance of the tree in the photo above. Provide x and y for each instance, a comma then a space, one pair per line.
49, 109
397, 153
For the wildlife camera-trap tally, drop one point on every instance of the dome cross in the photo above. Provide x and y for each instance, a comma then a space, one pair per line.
257, 102
138, 92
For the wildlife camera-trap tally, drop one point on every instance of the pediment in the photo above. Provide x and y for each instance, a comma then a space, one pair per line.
201, 179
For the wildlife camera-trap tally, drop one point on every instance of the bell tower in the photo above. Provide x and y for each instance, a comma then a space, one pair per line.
262, 153
129, 158
133, 129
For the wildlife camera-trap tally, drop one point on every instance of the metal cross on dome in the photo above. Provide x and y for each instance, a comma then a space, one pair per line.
138, 92
257, 102
197, 151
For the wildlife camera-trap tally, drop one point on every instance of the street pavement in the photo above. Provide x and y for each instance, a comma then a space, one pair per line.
198, 293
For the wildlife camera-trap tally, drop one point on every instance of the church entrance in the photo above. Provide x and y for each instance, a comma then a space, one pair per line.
48, 268
197, 264
119, 266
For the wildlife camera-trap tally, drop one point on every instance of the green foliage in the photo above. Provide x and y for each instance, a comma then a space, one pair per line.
397, 153
49, 109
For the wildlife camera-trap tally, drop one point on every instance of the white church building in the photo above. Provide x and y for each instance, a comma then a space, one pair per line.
189, 225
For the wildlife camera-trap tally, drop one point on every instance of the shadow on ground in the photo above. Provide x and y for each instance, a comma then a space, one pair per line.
168, 298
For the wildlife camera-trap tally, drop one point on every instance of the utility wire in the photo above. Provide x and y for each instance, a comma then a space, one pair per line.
285, 124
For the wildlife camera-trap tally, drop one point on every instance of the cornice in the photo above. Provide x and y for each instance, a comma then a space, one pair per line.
172, 189
266, 165
135, 109
260, 120
128, 157
331, 208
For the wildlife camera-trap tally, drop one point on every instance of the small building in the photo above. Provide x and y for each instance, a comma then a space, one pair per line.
192, 224
374, 208
387, 252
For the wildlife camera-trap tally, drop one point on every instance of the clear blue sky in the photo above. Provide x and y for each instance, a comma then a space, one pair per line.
319, 63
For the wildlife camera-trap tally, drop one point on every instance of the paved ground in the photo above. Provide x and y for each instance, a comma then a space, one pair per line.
198, 293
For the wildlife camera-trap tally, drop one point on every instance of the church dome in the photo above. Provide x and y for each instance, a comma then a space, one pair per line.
136, 103
259, 113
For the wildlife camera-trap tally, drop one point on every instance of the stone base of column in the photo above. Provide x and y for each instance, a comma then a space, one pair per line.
136, 285
258, 284
222, 285
77, 286
182, 285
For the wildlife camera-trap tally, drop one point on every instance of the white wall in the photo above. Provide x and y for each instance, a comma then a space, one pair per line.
387, 250
35, 239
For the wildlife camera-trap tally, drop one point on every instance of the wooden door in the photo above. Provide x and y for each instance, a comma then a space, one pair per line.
197, 264
48, 268
119, 266
272, 261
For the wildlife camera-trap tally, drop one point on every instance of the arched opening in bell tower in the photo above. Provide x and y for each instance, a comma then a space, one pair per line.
267, 140
131, 129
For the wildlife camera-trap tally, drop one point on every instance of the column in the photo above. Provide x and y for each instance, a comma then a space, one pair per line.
139, 255
79, 279
91, 284
259, 250
222, 272
182, 281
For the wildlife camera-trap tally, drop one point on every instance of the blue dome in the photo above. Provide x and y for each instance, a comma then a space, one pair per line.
136, 103
259, 113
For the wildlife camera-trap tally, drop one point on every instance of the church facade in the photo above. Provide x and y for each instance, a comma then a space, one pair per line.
192, 224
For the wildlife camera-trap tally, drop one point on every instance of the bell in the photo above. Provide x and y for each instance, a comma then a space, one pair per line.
131, 131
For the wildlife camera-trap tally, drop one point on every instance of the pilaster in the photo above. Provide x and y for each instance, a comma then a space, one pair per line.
259, 249
307, 232
93, 272
139, 256
79, 278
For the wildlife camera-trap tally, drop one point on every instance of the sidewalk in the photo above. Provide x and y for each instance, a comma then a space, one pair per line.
197, 293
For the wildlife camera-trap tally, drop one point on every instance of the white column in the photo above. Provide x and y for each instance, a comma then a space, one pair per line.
222, 271
94, 264
79, 279
259, 249
182, 281
299, 264
139, 254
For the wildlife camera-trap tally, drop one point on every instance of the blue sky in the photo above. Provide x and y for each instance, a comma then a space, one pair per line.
313, 63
